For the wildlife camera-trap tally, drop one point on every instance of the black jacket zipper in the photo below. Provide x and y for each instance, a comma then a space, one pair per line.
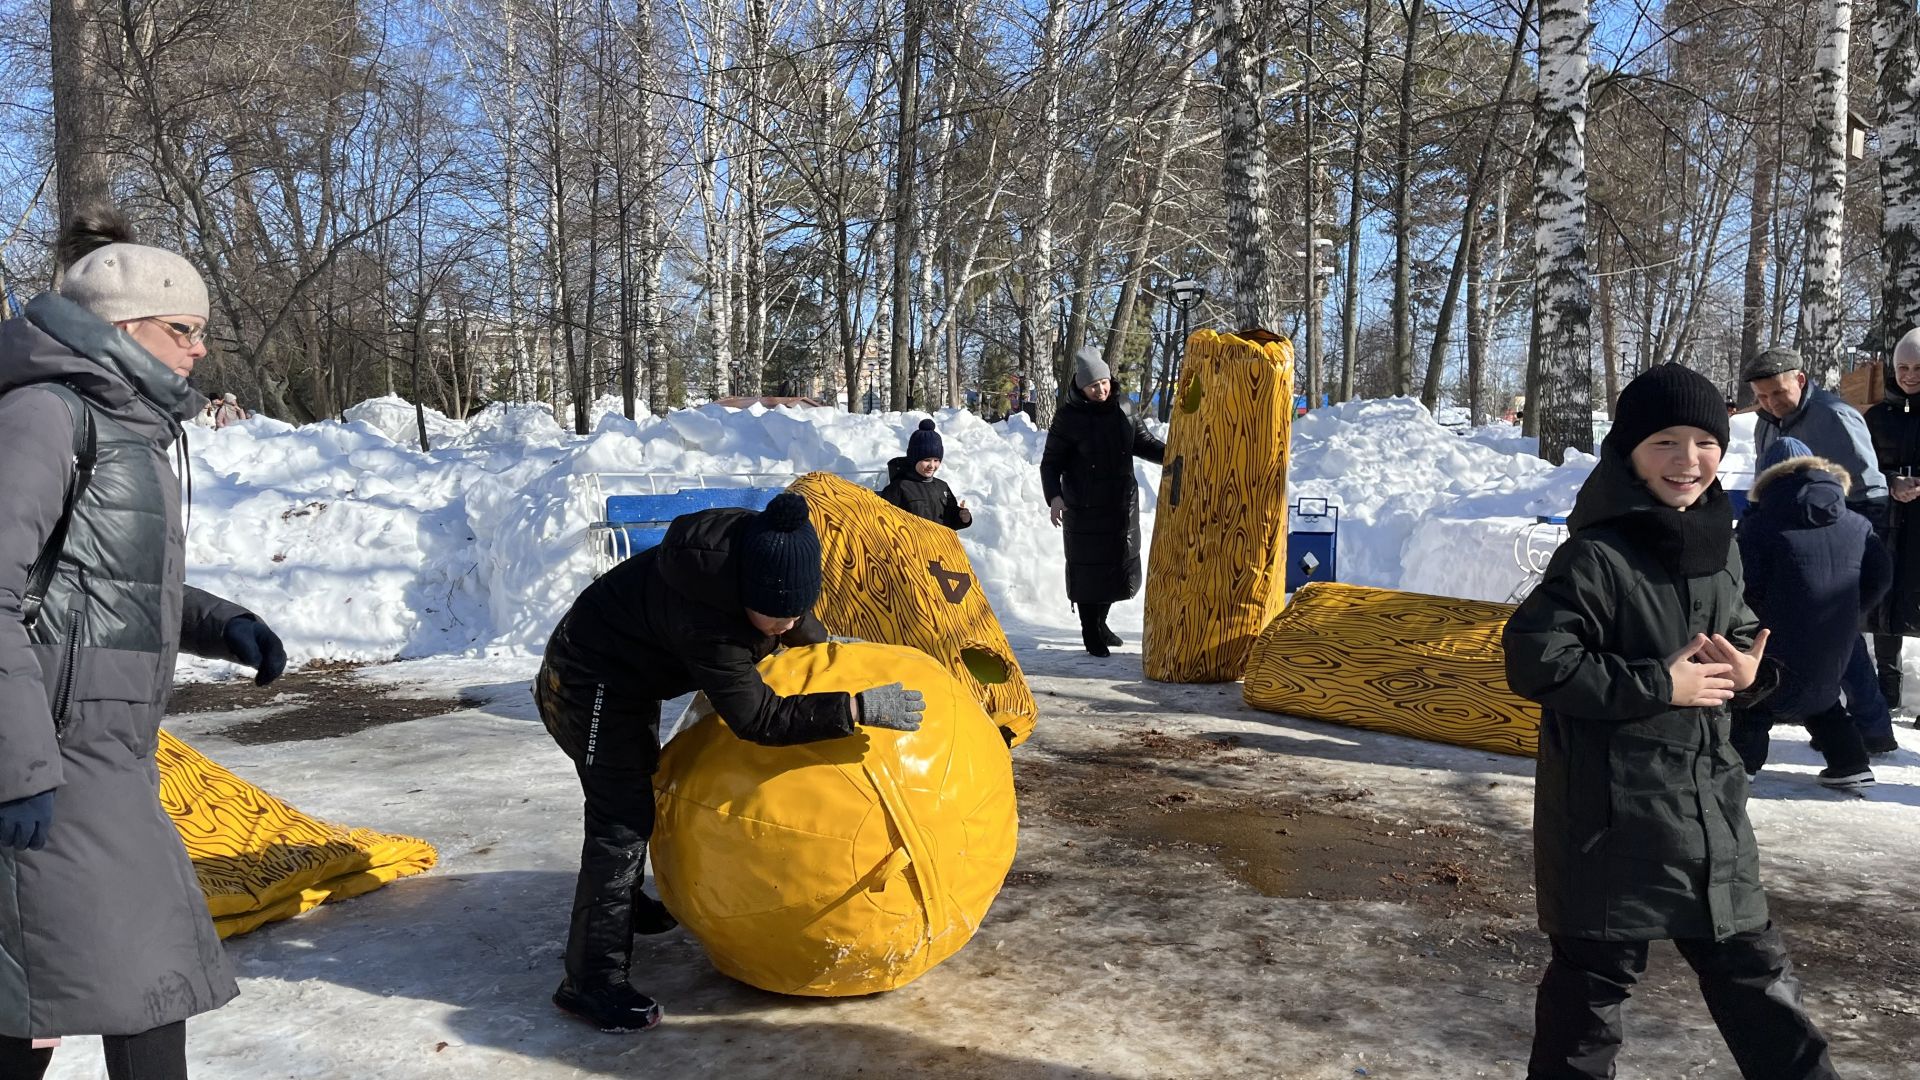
64, 702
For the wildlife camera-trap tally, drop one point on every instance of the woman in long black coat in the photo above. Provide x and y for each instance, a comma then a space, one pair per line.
1895, 425
1086, 473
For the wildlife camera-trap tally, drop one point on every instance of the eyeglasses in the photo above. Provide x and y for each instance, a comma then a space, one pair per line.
189, 335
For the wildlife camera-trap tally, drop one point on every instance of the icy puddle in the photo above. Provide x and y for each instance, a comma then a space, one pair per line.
1320, 848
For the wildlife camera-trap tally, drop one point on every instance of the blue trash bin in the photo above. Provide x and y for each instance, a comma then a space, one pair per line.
1313, 543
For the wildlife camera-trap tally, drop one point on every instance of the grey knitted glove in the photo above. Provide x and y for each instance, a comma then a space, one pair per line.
838, 640
892, 706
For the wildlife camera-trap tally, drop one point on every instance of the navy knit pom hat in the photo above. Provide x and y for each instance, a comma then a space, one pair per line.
924, 443
780, 559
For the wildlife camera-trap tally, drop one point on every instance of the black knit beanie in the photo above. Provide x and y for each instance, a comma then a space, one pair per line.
1664, 396
780, 559
924, 443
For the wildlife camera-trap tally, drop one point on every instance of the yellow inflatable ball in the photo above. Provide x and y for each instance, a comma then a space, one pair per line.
842, 867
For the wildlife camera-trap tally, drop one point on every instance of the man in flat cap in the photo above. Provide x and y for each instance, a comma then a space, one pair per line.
1835, 430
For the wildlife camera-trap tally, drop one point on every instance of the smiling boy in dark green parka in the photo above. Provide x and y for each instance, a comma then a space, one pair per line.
1634, 644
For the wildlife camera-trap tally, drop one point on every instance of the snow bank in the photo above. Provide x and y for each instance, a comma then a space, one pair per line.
356, 545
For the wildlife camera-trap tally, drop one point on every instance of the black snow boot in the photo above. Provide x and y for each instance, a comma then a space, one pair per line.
615, 1006
1093, 629
600, 938
1096, 644
1112, 638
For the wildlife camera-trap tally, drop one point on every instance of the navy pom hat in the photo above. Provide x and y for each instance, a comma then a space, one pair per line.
924, 443
780, 559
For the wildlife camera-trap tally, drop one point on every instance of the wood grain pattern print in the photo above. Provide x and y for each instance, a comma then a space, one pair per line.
258, 859
1427, 666
888, 576
1218, 573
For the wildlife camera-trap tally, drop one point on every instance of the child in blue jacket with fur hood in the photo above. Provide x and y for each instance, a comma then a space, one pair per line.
1813, 569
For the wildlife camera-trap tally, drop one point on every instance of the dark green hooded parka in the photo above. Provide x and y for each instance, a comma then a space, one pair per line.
1640, 824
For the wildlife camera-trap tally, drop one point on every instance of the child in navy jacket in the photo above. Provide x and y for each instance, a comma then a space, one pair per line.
1813, 569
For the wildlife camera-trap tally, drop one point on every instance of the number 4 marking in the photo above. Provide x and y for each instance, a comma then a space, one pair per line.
953, 584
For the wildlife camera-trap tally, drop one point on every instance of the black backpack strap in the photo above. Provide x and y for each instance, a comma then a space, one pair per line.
85, 453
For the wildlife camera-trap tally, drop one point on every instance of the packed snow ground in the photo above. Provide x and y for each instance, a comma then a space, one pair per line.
1103, 957
1099, 960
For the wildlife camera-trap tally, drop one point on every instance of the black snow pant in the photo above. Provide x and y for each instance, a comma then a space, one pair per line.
1748, 984
1840, 740
1886, 661
615, 747
159, 1054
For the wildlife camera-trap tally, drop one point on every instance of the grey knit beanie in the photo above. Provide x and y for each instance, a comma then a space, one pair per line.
1089, 367
124, 282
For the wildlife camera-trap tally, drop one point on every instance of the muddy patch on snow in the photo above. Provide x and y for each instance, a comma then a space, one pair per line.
1158, 791
319, 701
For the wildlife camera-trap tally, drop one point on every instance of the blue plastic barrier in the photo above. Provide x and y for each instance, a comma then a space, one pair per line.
1313, 543
635, 523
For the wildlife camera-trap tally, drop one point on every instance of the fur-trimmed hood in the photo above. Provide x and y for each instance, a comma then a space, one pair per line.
1798, 464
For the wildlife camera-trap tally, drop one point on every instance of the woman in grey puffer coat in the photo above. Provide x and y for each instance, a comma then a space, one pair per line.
103, 928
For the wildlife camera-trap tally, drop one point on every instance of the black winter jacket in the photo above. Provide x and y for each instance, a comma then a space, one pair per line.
1895, 425
669, 621
927, 497
1640, 823
1813, 567
1088, 461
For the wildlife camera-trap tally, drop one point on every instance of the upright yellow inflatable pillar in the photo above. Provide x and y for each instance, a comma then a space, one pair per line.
842, 867
1218, 572
887, 575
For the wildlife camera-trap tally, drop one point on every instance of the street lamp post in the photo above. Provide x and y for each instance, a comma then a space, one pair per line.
1185, 294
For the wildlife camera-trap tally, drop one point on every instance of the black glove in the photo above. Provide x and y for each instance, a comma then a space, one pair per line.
24, 822
892, 706
257, 647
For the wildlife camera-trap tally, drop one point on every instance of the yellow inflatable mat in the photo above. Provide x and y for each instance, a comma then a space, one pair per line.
888, 576
1220, 537
1427, 666
260, 860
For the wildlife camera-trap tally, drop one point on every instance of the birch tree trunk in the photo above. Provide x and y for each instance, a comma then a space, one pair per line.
1350, 310
1476, 329
1243, 169
753, 346
652, 241
1820, 330
1563, 292
1041, 331
524, 386
1753, 293
1609, 358
1315, 307
905, 163
1896, 61
1400, 369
